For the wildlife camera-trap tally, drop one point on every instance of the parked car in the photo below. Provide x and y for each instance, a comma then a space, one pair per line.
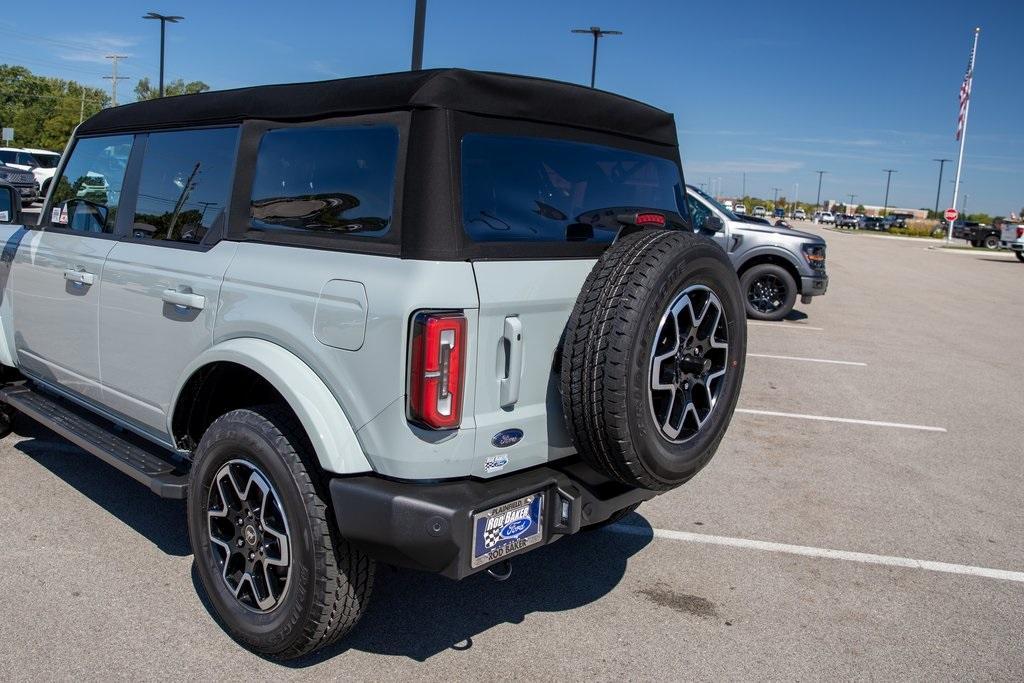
872, 223
728, 204
845, 220
1012, 237
825, 217
779, 213
21, 180
896, 220
41, 163
340, 350
759, 211
775, 264
739, 209
978, 234
800, 215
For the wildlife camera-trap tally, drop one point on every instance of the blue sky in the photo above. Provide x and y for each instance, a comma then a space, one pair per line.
777, 90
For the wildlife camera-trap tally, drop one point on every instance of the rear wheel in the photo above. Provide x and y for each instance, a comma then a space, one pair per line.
769, 291
991, 242
278, 576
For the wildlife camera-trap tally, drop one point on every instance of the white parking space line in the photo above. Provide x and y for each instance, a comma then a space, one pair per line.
809, 551
808, 360
788, 326
825, 418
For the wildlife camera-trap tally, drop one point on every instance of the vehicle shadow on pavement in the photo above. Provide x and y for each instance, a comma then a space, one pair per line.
418, 615
159, 520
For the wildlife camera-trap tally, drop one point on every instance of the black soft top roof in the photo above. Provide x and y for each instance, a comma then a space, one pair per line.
476, 92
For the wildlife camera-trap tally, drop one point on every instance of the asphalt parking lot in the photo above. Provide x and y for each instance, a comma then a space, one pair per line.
795, 554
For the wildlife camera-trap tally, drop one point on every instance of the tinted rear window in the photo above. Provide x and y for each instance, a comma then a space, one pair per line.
327, 180
543, 190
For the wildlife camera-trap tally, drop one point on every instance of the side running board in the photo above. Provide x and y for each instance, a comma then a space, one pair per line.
131, 455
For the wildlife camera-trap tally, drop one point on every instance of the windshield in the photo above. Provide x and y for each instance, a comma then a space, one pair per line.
544, 190
46, 160
713, 202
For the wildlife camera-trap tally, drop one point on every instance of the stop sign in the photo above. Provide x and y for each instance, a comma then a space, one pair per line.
951, 215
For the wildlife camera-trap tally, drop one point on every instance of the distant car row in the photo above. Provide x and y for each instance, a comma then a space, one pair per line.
28, 170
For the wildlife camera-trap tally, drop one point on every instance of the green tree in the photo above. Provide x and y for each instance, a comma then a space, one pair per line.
859, 209
144, 90
44, 111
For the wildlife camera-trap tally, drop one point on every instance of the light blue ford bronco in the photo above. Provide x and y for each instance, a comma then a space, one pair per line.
432, 319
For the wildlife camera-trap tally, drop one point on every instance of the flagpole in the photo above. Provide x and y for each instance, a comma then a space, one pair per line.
963, 134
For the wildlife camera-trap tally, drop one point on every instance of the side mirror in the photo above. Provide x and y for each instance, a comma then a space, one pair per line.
714, 224
10, 205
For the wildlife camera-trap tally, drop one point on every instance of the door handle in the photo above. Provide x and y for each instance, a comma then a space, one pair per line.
79, 275
184, 299
512, 343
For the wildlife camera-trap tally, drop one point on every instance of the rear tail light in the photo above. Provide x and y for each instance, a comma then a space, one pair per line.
1020, 232
437, 369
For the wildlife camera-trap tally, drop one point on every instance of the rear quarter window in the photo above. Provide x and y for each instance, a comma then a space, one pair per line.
326, 180
544, 190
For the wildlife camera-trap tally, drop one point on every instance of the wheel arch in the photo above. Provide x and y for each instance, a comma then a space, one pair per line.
775, 257
241, 372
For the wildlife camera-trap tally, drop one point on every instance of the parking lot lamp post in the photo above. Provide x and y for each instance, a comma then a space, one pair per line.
942, 162
419, 20
888, 177
597, 32
163, 18
817, 202
851, 196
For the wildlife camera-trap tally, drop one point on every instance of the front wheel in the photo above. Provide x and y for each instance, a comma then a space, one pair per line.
277, 574
1019, 255
769, 292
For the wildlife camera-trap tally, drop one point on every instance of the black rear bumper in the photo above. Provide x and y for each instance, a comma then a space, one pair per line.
428, 526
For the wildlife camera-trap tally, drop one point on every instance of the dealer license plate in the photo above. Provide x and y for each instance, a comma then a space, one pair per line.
506, 528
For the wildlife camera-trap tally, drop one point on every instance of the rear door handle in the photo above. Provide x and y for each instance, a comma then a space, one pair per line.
79, 275
184, 298
512, 341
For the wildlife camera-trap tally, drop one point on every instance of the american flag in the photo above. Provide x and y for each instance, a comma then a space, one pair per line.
965, 96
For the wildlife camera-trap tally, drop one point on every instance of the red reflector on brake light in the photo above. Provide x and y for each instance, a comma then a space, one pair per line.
650, 219
436, 369
1020, 232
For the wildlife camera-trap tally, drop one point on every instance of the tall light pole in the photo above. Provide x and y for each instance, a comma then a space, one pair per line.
163, 19
419, 22
848, 209
942, 162
597, 32
744, 193
817, 202
775, 200
888, 177
114, 78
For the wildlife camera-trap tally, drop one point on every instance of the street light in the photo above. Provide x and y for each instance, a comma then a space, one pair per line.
888, 177
817, 202
597, 32
942, 162
163, 18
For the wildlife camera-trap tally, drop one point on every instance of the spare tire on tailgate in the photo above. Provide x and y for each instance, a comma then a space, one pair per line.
653, 358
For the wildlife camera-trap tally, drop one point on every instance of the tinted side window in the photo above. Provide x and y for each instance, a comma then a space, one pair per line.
185, 184
86, 195
536, 189
8, 157
326, 180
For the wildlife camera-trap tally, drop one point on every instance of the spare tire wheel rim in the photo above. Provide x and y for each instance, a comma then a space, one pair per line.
689, 358
249, 536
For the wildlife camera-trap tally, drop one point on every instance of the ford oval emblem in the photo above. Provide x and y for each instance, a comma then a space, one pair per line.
516, 528
509, 437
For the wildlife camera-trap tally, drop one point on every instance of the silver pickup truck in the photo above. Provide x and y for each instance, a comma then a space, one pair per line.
429, 319
1011, 237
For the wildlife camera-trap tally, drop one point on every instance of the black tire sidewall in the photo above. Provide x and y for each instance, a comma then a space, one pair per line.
244, 434
752, 274
668, 463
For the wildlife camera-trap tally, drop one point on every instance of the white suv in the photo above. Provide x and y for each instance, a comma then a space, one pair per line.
424, 318
42, 163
